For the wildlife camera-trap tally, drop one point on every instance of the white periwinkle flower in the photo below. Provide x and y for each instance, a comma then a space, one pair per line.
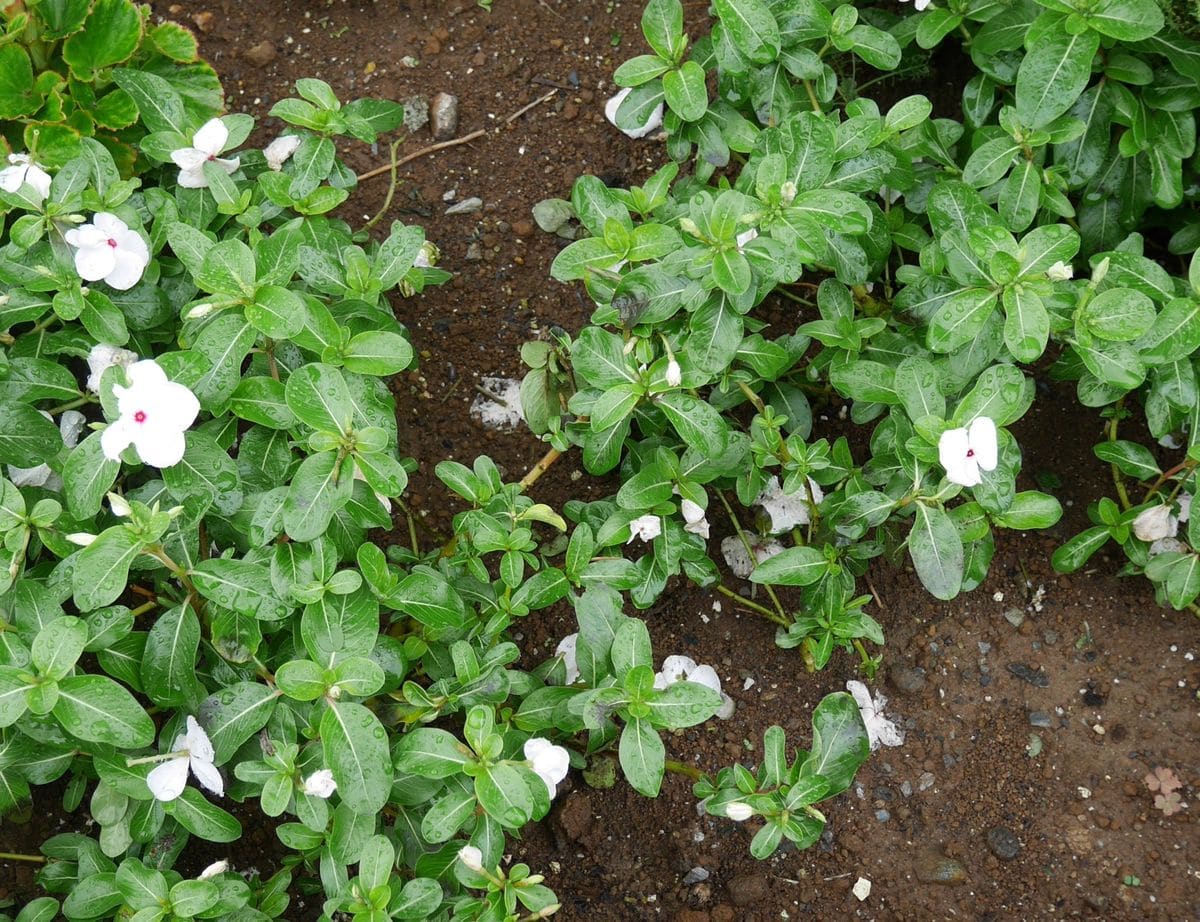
217, 867
102, 357
738, 811
1156, 522
24, 170
880, 730
107, 250
966, 452
693, 515
745, 237
919, 5
674, 373
566, 649
787, 510
207, 144
70, 424
739, 561
1060, 272
320, 784
472, 858
280, 150
194, 750
155, 412
651, 124
647, 527
686, 669
549, 762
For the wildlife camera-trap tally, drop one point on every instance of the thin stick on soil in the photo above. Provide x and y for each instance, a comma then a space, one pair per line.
751, 606
453, 142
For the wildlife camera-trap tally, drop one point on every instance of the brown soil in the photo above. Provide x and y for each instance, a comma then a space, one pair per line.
1119, 695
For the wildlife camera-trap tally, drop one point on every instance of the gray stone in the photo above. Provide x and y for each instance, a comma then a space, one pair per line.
1040, 719
936, 869
695, 875
416, 113
466, 206
443, 116
1003, 843
1015, 617
907, 679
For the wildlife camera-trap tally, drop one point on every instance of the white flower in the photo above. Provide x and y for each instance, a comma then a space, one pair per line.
647, 527
685, 669
24, 170
1171, 440
70, 424
1156, 522
155, 412
426, 256
549, 762
738, 811
787, 510
1185, 506
1165, 545
217, 867
674, 374
566, 649
207, 143
199, 311
119, 505
192, 749
107, 250
472, 858
693, 515
880, 730
279, 151
651, 124
102, 357
320, 784
919, 5
739, 561
1060, 272
965, 452
745, 237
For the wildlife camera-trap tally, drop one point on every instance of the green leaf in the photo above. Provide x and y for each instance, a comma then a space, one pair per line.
97, 709
1174, 335
503, 793
1079, 549
642, 756
1001, 392
319, 397
58, 646
87, 477
937, 551
261, 400
17, 92
204, 819
234, 714
377, 352
797, 566
426, 596
599, 358
431, 753
1021, 196
355, 748
102, 568
683, 704
630, 646
1030, 509
27, 438
276, 311
159, 103
1132, 459
190, 898
1052, 75
697, 422
686, 92
12, 694
960, 319
752, 29
318, 490
225, 341
1119, 314
1026, 323
1127, 20
840, 742
110, 35
206, 471
228, 269
240, 585
662, 24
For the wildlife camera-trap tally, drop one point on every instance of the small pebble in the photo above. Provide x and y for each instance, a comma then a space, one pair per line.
466, 206
1003, 843
1040, 719
1014, 616
695, 875
932, 869
882, 815
443, 116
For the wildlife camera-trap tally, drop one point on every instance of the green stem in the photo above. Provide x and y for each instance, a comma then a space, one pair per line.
17, 856
70, 405
680, 768
812, 98
753, 606
391, 192
1116, 472
737, 526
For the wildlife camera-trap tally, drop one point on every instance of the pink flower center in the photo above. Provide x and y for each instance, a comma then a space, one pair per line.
139, 416
112, 243
212, 158
970, 452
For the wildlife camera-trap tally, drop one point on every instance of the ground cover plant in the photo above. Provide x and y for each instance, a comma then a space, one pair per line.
210, 575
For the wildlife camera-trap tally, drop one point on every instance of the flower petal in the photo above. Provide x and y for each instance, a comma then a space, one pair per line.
198, 743
706, 676
109, 224
208, 776
126, 272
167, 780
184, 405
193, 179
212, 137
146, 374
86, 235
116, 438
952, 448
159, 447
229, 165
982, 438
675, 668
94, 263
188, 158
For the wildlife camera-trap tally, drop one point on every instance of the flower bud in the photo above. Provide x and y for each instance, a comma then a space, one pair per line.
217, 867
200, 310
1154, 523
82, 538
674, 375
119, 505
1060, 272
472, 858
738, 811
787, 192
1100, 271
320, 784
688, 226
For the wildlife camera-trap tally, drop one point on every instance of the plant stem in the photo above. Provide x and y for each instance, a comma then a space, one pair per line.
680, 768
391, 192
750, 552
753, 606
812, 97
17, 856
540, 468
1116, 472
69, 405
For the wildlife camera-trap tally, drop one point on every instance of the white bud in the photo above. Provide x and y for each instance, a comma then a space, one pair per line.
472, 858
320, 784
738, 811
687, 225
1060, 272
674, 375
217, 867
119, 505
200, 310
82, 538
787, 192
